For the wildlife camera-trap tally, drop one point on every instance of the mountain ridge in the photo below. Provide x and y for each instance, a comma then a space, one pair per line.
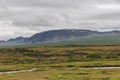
57, 35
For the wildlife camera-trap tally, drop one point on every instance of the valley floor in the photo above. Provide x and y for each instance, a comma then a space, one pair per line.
61, 63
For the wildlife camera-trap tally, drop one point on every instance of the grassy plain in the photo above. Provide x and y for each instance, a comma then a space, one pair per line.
61, 62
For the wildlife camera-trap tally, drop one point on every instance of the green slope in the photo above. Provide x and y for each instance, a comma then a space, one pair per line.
108, 39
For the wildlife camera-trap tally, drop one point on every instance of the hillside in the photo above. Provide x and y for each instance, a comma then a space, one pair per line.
105, 39
66, 37
59, 35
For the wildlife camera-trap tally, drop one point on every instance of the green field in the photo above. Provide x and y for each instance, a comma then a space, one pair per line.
61, 62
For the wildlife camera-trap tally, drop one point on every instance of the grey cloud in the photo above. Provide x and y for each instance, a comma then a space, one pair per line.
46, 20
107, 16
40, 15
42, 3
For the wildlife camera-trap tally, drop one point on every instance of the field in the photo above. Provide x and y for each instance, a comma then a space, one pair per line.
61, 62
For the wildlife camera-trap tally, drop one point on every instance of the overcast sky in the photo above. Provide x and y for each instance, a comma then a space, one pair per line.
26, 17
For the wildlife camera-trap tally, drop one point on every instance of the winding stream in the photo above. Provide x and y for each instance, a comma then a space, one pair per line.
102, 68
9, 72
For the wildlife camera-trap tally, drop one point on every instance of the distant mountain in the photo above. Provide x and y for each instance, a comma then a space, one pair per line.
2, 41
59, 35
104, 39
53, 36
17, 40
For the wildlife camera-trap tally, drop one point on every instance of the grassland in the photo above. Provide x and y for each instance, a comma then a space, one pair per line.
61, 62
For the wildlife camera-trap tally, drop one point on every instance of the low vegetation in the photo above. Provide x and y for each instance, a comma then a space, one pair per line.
61, 62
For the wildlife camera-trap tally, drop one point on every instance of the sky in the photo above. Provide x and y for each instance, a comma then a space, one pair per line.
27, 17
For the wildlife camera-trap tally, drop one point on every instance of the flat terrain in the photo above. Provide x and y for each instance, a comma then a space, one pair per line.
61, 62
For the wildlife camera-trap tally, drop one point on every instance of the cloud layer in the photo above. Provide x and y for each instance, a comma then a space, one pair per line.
26, 17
